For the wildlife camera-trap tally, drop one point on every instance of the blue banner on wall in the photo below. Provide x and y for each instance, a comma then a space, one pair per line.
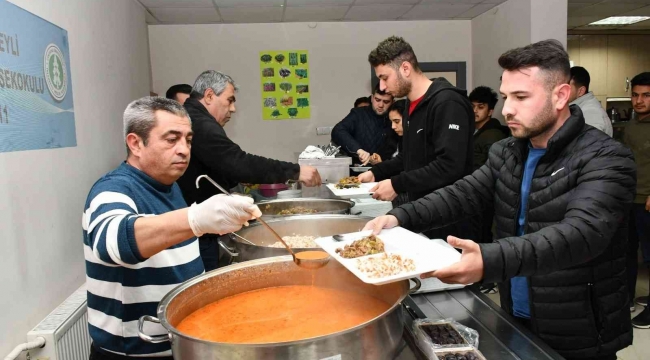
36, 110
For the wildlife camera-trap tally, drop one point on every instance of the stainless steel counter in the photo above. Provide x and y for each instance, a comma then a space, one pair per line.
500, 336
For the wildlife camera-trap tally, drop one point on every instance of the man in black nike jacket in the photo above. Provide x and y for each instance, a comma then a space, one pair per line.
438, 126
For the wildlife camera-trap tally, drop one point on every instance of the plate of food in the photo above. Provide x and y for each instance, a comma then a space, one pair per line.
349, 187
360, 168
393, 255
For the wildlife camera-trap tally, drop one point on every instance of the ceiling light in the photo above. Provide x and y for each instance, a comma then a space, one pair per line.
620, 20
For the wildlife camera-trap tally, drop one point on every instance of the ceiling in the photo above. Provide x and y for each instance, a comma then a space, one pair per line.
583, 12
265, 11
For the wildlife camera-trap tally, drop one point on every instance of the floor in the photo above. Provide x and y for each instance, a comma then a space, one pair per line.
641, 343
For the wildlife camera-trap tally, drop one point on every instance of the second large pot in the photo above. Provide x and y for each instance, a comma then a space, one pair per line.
307, 225
271, 209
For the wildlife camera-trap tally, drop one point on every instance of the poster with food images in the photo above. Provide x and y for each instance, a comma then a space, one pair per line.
285, 84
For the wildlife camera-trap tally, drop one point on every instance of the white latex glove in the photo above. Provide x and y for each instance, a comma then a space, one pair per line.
221, 214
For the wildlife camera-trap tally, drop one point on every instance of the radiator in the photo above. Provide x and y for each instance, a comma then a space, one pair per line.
65, 331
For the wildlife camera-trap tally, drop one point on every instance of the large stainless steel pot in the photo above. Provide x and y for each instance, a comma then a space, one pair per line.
307, 225
271, 208
376, 339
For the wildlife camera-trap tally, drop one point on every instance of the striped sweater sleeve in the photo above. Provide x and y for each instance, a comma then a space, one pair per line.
108, 223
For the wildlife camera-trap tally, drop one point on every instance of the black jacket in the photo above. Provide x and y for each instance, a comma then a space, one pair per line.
364, 129
214, 154
437, 143
491, 132
573, 250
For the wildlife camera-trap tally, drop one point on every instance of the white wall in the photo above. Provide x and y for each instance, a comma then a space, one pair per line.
513, 24
42, 192
339, 68
549, 20
505, 27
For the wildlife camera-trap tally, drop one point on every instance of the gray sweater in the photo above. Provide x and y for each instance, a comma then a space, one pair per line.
594, 113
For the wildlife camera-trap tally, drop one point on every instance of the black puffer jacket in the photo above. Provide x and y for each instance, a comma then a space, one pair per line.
574, 247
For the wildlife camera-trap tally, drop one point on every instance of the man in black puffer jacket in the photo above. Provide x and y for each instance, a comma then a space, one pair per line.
561, 191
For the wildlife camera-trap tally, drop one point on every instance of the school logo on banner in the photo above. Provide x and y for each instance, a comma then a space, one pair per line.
56, 74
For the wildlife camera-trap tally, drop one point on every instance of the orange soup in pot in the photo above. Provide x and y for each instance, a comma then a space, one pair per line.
279, 314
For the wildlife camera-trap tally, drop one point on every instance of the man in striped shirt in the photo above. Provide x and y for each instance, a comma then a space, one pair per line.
140, 236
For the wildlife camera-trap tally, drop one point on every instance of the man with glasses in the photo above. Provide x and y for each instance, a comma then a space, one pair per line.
366, 134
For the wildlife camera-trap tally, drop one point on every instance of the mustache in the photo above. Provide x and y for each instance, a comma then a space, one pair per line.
510, 118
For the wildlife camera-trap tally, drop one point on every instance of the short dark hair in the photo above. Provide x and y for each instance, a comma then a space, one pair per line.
140, 115
178, 88
393, 51
377, 90
398, 106
361, 100
580, 77
642, 79
549, 55
484, 95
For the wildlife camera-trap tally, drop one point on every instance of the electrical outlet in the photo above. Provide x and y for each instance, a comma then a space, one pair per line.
324, 130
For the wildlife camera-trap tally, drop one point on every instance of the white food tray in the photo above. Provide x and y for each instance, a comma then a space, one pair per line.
430, 285
370, 207
427, 255
362, 190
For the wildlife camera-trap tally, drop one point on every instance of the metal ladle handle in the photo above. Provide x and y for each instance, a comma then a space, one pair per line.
258, 219
279, 238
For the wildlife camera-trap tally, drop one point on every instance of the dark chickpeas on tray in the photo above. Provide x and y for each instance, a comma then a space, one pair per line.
443, 334
464, 355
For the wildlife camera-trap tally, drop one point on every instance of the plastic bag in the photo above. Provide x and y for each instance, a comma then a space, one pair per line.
444, 335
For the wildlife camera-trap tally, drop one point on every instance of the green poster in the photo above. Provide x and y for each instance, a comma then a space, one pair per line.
285, 84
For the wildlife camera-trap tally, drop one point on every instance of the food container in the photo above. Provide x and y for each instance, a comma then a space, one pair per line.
446, 339
331, 170
289, 194
271, 208
271, 190
467, 353
377, 339
306, 225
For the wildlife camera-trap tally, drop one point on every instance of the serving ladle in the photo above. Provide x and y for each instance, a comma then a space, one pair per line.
310, 259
